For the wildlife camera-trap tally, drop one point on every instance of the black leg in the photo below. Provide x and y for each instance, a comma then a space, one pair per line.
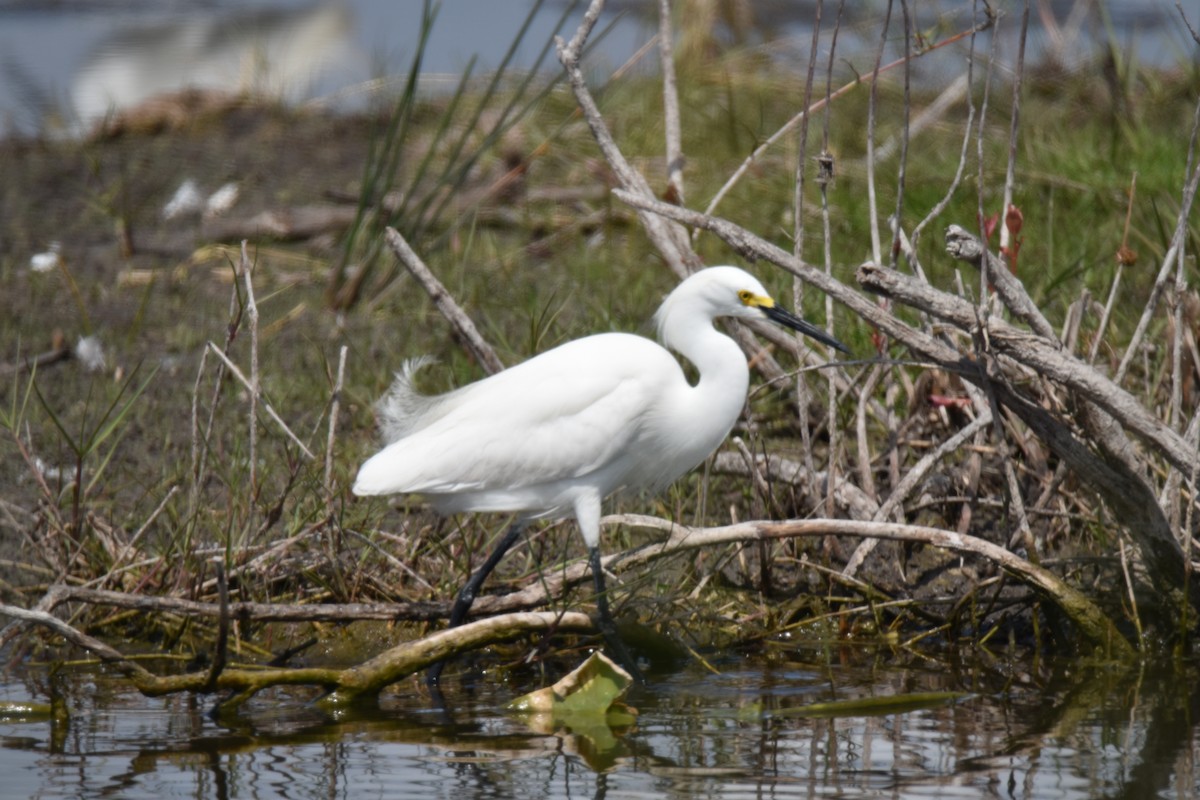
466, 595
605, 622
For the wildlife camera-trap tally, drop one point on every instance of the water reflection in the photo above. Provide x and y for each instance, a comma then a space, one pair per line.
277, 53
1066, 730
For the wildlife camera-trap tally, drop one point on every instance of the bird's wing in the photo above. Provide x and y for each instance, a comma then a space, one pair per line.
562, 415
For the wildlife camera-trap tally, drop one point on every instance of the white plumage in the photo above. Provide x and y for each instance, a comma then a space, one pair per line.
555, 435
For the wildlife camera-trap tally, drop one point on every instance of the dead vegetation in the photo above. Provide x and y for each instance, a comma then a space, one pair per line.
984, 471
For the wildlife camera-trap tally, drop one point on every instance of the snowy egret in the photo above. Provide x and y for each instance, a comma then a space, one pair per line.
555, 435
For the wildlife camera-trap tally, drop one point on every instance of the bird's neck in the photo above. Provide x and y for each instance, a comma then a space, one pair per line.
724, 375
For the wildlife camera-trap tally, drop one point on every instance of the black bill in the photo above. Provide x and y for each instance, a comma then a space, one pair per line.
787, 318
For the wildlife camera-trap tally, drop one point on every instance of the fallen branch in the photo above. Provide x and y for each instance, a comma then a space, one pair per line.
343, 686
1091, 622
32, 363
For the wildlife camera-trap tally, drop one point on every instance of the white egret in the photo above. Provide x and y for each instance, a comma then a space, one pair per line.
555, 435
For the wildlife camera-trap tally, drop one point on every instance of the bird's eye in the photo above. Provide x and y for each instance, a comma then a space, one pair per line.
745, 295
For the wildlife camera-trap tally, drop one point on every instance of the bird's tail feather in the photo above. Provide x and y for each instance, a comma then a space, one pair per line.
403, 406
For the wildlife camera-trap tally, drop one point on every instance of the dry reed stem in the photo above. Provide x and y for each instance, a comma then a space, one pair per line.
912, 478
1120, 256
872, 108
334, 407
245, 269
803, 400
1014, 129
1173, 253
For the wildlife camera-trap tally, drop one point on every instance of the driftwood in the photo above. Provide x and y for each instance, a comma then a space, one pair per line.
361, 682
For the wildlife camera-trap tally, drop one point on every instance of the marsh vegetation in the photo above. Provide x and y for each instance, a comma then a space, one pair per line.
1010, 462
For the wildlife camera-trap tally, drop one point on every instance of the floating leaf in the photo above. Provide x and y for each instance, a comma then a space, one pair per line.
591, 689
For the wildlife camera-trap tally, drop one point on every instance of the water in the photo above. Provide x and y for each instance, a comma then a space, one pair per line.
65, 66
1017, 731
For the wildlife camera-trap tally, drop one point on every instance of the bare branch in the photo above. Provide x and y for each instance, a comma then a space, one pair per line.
452, 311
1091, 622
670, 239
671, 119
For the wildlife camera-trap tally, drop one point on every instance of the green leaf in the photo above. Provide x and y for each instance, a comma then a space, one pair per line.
590, 690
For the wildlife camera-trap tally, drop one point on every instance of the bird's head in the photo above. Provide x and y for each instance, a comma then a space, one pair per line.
733, 292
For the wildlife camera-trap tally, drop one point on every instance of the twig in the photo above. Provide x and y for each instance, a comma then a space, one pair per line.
244, 267
131, 547
237, 373
872, 109
1013, 131
964, 84
1122, 256
791, 123
200, 441
33, 363
1091, 622
825, 175
1187, 22
674, 136
334, 406
391, 559
1173, 253
221, 647
802, 393
1133, 604
911, 480
866, 479
669, 238
475, 343
902, 168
